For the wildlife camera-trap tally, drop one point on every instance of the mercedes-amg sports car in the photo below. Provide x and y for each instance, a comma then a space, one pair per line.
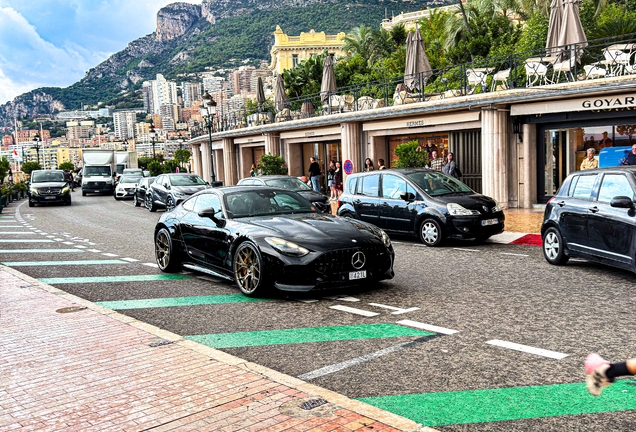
268, 237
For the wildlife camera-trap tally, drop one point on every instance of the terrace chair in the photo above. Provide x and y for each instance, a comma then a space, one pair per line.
500, 77
476, 78
593, 72
616, 61
536, 73
564, 67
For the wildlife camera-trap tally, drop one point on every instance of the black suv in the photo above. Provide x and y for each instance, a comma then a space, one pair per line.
593, 216
421, 202
49, 186
320, 201
169, 190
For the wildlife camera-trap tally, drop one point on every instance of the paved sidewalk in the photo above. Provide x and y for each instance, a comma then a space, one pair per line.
70, 365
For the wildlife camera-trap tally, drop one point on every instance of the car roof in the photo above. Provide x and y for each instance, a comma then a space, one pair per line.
394, 170
180, 174
48, 170
625, 168
231, 189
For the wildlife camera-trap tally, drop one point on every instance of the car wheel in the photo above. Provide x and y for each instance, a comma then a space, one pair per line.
248, 269
150, 204
165, 254
116, 198
553, 247
68, 203
83, 193
349, 215
431, 233
136, 202
31, 204
169, 204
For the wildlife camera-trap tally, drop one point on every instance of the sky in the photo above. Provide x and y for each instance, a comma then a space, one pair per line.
54, 42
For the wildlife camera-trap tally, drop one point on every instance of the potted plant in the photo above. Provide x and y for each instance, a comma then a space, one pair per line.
5, 194
22, 188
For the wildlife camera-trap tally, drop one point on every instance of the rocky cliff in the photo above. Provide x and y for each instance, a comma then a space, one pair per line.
176, 19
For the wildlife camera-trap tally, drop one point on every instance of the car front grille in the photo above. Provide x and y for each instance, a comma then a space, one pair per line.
96, 185
50, 191
339, 261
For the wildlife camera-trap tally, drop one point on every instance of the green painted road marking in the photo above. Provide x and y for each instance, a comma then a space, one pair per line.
135, 278
305, 335
19, 251
26, 241
178, 301
61, 263
516, 403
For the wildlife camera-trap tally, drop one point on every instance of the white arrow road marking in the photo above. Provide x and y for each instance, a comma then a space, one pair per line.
429, 327
354, 310
342, 298
398, 311
527, 349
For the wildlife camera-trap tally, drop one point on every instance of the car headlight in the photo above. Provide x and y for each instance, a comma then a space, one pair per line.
178, 194
385, 239
35, 192
285, 247
455, 209
497, 207
65, 190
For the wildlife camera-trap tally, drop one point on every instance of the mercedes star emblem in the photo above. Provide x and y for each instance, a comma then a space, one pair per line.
357, 260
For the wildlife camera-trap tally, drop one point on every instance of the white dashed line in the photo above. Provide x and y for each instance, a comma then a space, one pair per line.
68, 243
93, 250
58, 239
109, 254
527, 349
466, 250
354, 310
397, 311
80, 247
126, 259
151, 265
49, 236
513, 254
429, 327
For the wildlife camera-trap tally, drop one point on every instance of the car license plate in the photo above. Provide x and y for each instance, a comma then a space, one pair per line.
357, 275
49, 197
96, 191
489, 222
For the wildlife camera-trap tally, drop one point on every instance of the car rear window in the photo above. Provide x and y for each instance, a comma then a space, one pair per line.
583, 187
350, 186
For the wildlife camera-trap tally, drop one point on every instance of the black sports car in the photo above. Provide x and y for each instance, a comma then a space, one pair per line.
263, 237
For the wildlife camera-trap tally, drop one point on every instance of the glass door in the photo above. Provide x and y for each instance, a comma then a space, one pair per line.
553, 162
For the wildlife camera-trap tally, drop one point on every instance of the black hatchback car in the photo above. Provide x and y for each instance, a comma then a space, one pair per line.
593, 216
320, 201
421, 202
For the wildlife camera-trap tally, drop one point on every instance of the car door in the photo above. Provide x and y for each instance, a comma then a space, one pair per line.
210, 239
366, 200
611, 230
156, 189
394, 212
573, 211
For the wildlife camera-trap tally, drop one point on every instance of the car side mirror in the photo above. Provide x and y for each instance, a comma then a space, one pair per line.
408, 196
211, 213
168, 187
622, 202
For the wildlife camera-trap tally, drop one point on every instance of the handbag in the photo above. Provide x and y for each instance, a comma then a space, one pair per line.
457, 172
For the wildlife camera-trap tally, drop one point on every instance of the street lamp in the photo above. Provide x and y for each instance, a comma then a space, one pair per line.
208, 111
152, 134
37, 140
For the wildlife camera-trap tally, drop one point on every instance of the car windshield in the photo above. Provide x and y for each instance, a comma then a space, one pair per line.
103, 171
187, 180
266, 203
129, 179
288, 183
435, 183
47, 176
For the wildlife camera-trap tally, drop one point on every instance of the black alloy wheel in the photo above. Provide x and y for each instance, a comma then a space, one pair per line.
136, 202
553, 247
248, 269
150, 204
431, 233
165, 254
169, 204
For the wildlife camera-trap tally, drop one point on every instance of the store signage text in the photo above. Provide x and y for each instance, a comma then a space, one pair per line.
626, 101
310, 134
415, 123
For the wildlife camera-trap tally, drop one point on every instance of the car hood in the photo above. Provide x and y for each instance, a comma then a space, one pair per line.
188, 190
469, 201
312, 196
315, 230
45, 185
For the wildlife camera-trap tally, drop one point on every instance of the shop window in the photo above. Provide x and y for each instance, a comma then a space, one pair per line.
614, 185
583, 188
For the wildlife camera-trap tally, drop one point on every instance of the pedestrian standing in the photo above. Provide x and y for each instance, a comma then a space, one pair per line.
330, 180
599, 373
451, 167
314, 174
589, 162
368, 165
337, 179
631, 158
436, 163
381, 164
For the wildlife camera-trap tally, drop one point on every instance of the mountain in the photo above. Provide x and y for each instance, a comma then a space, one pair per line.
190, 38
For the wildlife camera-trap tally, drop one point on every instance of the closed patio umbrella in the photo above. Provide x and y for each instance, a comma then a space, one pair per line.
418, 68
554, 28
280, 97
328, 85
260, 93
571, 36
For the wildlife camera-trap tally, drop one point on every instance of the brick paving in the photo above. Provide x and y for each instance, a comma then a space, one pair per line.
97, 370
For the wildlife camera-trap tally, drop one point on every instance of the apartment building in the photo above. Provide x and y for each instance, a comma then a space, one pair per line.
124, 122
158, 92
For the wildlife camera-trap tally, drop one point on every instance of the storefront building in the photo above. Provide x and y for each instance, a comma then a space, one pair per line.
515, 145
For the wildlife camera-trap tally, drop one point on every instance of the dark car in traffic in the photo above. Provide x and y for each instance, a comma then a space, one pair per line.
422, 202
141, 188
593, 216
168, 190
291, 183
269, 237
49, 186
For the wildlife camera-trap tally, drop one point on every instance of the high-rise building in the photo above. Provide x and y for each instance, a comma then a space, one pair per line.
169, 116
158, 92
124, 122
191, 93
243, 80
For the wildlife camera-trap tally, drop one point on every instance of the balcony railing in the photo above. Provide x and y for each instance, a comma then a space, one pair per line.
596, 59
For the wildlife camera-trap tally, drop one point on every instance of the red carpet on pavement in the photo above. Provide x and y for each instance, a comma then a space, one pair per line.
528, 240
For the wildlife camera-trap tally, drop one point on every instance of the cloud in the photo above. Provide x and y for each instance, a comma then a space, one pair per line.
54, 42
